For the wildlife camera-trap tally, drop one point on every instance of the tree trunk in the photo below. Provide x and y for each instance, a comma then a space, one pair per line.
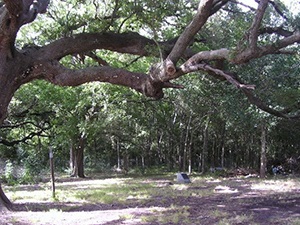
205, 147
223, 145
73, 160
118, 154
263, 153
126, 161
8, 85
80, 157
222, 157
77, 158
190, 154
186, 144
5, 203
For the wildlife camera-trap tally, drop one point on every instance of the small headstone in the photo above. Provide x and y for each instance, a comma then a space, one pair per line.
183, 178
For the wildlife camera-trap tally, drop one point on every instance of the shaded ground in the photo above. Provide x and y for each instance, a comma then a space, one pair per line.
160, 201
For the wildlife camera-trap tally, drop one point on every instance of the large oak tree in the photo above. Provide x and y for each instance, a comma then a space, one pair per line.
175, 57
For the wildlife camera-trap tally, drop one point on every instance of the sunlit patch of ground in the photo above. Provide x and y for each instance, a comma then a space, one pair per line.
277, 186
225, 189
156, 201
56, 217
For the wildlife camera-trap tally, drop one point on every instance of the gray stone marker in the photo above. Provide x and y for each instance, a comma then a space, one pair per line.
183, 178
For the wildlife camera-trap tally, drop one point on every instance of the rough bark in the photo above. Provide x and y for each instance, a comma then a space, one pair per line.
5, 203
77, 158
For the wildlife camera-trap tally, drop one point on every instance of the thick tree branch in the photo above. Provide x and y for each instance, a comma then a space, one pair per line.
14, 7
131, 43
46, 59
275, 30
274, 48
219, 54
14, 14
26, 10
203, 13
254, 29
60, 75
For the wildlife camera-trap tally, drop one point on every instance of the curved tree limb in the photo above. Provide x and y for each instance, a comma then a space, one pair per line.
130, 42
22, 140
275, 30
60, 75
274, 48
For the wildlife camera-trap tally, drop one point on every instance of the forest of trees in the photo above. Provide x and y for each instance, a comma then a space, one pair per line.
236, 99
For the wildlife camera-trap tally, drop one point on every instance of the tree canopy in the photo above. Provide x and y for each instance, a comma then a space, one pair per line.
181, 35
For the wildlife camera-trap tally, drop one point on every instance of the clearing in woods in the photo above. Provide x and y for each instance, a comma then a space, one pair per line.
156, 200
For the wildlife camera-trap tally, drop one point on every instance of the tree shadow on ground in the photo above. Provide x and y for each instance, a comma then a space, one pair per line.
270, 209
231, 202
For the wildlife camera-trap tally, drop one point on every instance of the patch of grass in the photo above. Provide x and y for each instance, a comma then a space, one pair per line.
175, 203
127, 217
116, 193
174, 214
218, 214
13, 221
228, 219
294, 221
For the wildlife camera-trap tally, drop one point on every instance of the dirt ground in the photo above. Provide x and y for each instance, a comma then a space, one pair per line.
206, 201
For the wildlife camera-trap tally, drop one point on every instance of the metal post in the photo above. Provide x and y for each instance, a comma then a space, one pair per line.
52, 172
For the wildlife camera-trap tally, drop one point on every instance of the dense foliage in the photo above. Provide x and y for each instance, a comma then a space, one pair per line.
206, 125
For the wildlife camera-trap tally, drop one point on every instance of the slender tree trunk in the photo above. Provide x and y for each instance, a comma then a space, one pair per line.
205, 147
263, 154
223, 156
73, 160
170, 155
143, 162
80, 157
186, 143
126, 161
190, 154
159, 150
117, 146
223, 145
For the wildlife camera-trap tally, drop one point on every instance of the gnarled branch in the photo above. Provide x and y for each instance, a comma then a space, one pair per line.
130, 42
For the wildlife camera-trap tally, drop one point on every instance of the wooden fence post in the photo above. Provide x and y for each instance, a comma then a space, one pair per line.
52, 172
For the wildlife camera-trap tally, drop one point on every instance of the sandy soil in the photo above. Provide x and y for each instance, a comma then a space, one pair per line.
234, 201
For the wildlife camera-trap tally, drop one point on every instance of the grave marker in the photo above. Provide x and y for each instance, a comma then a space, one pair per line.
183, 178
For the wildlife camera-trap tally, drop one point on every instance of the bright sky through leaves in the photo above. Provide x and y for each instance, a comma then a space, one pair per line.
293, 5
